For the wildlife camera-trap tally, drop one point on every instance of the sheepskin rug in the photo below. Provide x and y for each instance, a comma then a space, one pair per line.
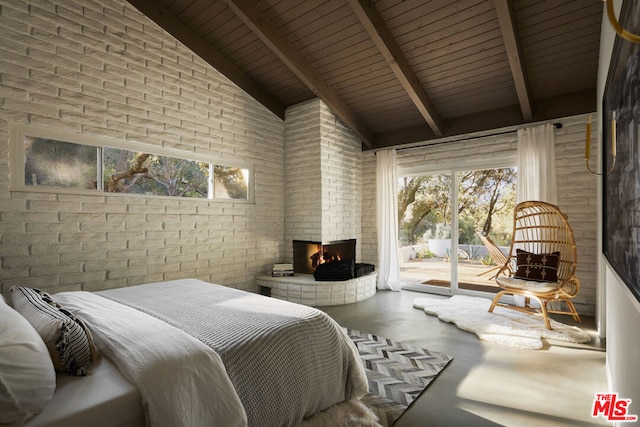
352, 413
503, 326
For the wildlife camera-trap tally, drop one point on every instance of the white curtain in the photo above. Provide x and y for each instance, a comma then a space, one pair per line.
537, 165
536, 171
387, 221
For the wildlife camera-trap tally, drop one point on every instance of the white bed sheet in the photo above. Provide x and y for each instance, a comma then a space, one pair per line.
104, 398
182, 381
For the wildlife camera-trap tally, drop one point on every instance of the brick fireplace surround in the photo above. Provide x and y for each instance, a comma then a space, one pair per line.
323, 201
304, 289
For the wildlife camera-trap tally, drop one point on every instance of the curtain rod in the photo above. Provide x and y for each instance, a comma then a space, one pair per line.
556, 125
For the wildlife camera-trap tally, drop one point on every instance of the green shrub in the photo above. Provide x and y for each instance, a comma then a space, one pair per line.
487, 260
424, 254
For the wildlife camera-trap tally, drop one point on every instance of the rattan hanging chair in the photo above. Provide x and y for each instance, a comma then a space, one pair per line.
541, 264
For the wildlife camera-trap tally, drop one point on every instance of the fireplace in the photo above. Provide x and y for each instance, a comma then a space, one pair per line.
308, 255
320, 278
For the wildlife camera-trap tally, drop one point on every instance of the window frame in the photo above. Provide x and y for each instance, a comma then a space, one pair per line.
18, 131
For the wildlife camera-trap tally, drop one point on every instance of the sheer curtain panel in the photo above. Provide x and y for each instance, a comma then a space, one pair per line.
536, 171
537, 164
387, 221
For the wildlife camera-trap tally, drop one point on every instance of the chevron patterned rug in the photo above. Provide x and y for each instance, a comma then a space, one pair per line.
398, 373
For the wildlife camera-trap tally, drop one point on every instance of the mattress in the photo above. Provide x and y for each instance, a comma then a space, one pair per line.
103, 398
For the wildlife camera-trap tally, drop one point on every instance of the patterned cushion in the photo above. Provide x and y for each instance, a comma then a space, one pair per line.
537, 267
67, 338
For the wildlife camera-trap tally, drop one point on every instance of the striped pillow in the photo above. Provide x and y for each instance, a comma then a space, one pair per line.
67, 338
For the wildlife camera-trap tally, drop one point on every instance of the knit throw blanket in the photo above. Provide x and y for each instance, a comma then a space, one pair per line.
286, 361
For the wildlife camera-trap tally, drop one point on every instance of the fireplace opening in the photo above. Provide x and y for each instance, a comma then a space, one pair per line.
307, 256
330, 261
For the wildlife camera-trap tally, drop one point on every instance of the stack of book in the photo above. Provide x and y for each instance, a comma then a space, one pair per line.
282, 270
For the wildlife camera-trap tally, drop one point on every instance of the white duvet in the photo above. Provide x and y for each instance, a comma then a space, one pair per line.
182, 381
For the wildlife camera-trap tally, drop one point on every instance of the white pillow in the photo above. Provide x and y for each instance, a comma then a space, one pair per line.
69, 341
27, 377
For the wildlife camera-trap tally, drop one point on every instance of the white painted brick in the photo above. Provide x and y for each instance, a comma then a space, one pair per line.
39, 260
105, 265
81, 257
159, 235
83, 237
82, 217
54, 248
127, 254
101, 246
14, 251
53, 205
13, 274
121, 272
323, 172
147, 261
46, 283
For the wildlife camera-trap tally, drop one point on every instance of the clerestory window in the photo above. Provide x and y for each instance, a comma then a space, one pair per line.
53, 161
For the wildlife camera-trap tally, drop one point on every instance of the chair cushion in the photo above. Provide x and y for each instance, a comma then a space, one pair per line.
523, 284
537, 267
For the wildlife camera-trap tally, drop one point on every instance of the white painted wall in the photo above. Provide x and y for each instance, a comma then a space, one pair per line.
323, 176
303, 174
619, 310
101, 68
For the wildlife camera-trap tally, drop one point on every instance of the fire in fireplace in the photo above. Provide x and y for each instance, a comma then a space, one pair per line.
308, 255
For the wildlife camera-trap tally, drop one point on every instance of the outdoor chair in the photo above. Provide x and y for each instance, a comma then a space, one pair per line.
499, 258
541, 264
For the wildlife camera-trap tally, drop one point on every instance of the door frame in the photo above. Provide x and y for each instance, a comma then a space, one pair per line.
452, 168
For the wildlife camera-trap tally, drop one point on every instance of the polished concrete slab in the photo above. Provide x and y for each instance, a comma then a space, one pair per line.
487, 384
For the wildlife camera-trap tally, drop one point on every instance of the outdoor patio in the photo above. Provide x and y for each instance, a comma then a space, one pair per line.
472, 275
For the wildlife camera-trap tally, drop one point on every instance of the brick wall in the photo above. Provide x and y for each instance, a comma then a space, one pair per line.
341, 179
303, 173
577, 189
323, 176
578, 198
101, 68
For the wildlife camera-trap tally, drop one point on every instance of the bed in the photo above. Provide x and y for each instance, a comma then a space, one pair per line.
188, 352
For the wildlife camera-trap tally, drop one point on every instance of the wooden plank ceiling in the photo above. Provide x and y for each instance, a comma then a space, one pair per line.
400, 71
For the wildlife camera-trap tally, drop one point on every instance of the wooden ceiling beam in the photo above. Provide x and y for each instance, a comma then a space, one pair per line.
263, 28
552, 108
387, 45
177, 29
507, 26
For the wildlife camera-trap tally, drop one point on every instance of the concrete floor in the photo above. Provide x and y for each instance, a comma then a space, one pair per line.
487, 384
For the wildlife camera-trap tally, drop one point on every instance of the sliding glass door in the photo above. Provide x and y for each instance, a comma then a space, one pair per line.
424, 229
446, 220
